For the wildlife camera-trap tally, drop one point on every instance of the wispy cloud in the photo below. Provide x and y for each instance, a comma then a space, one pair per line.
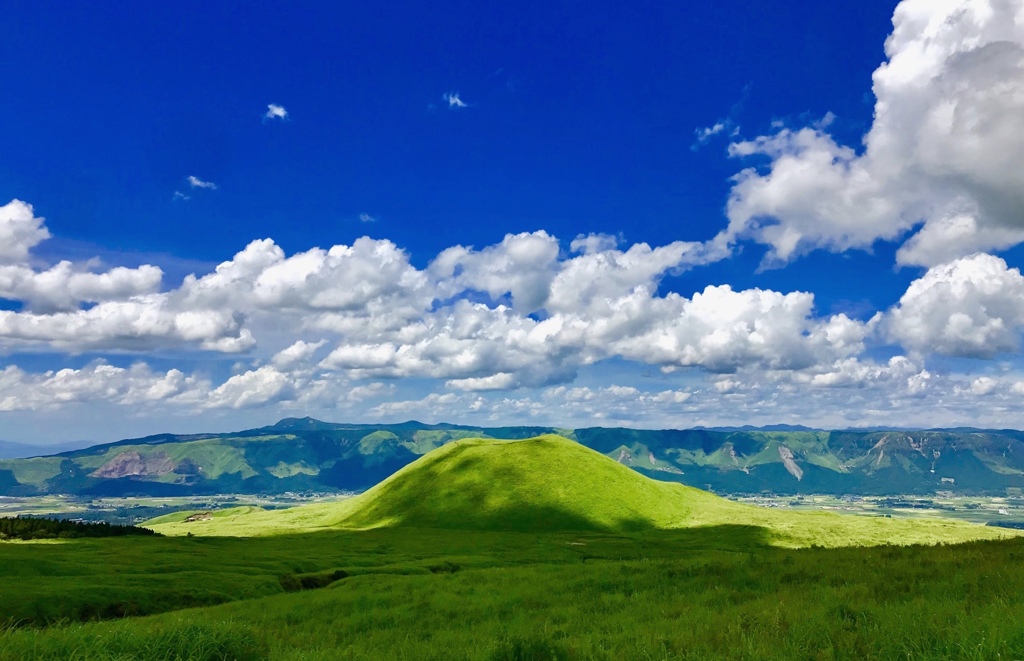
454, 100
366, 218
275, 111
178, 195
196, 182
704, 135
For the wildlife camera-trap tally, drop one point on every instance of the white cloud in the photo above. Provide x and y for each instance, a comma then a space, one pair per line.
144, 323
98, 382
476, 346
196, 182
178, 195
671, 397
851, 392
367, 278
454, 101
296, 354
943, 239
253, 388
499, 381
588, 243
970, 307
983, 385
522, 265
604, 274
65, 286
127, 312
275, 111
139, 385
334, 324
946, 148
703, 136
370, 391
20, 231
434, 405
366, 218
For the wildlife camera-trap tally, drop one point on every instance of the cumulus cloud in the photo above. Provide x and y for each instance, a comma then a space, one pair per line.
945, 151
499, 381
20, 231
296, 354
98, 382
142, 324
477, 347
140, 385
275, 111
68, 307
521, 314
522, 266
368, 277
971, 307
65, 286
369, 391
587, 243
196, 182
253, 388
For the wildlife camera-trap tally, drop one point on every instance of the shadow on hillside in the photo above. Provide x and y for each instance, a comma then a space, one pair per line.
538, 545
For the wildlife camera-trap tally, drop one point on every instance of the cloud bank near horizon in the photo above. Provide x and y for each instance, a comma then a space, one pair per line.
497, 332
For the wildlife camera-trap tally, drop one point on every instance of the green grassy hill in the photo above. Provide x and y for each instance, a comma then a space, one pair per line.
550, 483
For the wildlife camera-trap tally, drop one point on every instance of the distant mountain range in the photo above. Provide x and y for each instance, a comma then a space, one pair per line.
11, 450
303, 454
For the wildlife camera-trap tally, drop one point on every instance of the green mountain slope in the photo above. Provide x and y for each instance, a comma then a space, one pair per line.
302, 454
550, 483
544, 483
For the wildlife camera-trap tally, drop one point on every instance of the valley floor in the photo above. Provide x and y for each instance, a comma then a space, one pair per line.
994, 510
991, 510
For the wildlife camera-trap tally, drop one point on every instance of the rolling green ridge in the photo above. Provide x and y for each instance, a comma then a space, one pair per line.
550, 483
310, 455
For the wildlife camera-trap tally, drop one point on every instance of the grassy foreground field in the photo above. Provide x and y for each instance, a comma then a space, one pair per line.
473, 552
551, 596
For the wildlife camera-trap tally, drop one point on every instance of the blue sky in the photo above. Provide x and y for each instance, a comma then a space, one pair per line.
855, 210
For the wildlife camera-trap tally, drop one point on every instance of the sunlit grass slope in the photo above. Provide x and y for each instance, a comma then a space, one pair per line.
550, 483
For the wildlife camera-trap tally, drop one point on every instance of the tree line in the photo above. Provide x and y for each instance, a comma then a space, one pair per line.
29, 528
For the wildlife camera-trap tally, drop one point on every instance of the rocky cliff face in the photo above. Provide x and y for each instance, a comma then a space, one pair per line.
133, 464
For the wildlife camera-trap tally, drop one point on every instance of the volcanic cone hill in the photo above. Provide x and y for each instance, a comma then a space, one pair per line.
544, 483
550, 483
